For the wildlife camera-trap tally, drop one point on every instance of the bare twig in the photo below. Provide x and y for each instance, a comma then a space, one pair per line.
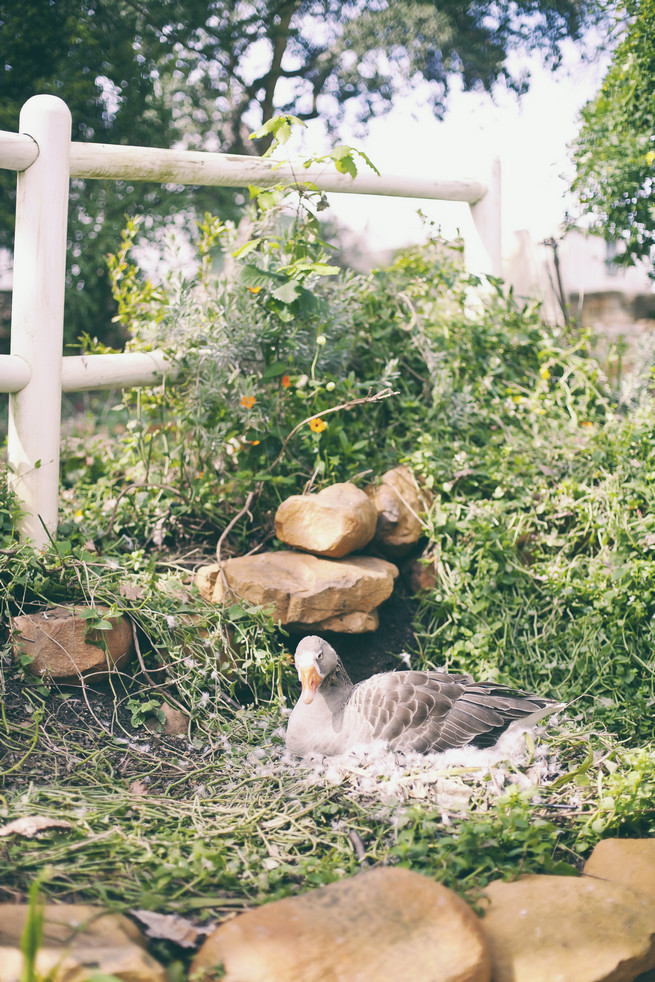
368, 398
228, 528
358, 846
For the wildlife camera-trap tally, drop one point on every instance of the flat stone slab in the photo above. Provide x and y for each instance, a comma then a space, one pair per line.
304, 590
383, 925
627, 861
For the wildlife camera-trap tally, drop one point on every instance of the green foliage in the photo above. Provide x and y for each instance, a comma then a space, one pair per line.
269, 397
615, 150
540, 534
295, 375
484, 847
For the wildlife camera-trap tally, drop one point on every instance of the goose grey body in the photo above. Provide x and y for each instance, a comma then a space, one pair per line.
419, 711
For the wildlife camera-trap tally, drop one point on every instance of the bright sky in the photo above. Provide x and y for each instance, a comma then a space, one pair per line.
530, 136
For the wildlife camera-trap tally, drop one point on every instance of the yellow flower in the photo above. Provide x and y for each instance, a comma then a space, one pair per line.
544, 372
248, 401
317, 425
254, 289
650, 158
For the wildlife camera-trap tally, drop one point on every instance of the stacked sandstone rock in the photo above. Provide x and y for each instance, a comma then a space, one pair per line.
320, 585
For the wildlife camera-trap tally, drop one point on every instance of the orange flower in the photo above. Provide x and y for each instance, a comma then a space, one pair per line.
248, 401
286, 381
255, 443
254, 289
317, 425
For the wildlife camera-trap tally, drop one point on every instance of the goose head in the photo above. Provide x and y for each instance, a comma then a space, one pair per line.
315, 660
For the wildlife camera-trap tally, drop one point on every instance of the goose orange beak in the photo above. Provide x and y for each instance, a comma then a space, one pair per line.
310, 680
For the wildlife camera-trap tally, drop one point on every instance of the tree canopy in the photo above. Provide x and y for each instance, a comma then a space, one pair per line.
205, 73
615, 149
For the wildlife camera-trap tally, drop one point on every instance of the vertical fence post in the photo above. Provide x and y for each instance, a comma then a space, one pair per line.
487, 219
37, 321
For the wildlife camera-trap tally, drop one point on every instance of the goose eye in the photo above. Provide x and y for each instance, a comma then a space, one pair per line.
319, 656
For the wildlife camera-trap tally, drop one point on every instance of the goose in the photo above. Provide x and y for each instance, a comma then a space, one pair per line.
408, 711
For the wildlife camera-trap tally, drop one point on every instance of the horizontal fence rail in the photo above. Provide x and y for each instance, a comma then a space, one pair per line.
103, 161
35, 373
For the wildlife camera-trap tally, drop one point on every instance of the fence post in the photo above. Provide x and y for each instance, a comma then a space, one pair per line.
37, 321
487, 219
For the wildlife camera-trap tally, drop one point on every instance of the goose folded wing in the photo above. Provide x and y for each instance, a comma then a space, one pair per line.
404, 708
483, 712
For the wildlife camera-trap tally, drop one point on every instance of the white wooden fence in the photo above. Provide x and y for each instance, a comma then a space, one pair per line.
36, 373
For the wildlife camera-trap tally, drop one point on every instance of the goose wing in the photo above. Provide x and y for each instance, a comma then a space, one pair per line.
405, 709
431, 711
485, 710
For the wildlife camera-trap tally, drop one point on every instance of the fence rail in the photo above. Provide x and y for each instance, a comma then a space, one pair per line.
35, 373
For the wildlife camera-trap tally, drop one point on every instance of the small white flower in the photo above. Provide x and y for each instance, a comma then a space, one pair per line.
171, 623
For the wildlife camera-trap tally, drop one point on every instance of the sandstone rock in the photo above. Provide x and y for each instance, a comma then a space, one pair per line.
575, 929
400, 503
306, 590
78, 941
205, 580
358, 622
627, 861
338, 520
176, 723
61, 646
422, 577
387, 925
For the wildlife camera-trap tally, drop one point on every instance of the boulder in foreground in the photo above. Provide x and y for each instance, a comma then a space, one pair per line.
387, 925
577, 929
78, 941
627, 861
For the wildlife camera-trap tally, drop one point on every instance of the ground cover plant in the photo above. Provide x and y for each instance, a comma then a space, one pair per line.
541, 543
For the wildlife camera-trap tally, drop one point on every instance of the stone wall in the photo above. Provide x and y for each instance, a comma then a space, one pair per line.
618, 319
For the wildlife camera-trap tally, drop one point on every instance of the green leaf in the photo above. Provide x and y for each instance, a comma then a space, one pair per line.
344, 160
246, 248
287, 292
102, 625
279, 127
252, 275
277, 368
